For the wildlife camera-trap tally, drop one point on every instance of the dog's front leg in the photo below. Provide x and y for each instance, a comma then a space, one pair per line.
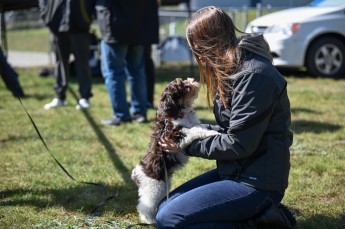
151, 192
195, 133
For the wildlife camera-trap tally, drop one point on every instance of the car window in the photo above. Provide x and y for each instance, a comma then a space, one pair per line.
325, 3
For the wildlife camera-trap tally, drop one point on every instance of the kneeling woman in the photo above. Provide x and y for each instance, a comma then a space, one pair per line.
252, 110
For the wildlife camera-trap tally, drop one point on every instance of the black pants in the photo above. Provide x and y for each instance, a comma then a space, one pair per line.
79, 45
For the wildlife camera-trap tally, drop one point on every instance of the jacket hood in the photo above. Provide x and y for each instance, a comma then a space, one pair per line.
257, 44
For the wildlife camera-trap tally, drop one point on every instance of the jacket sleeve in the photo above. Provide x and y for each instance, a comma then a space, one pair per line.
253, 95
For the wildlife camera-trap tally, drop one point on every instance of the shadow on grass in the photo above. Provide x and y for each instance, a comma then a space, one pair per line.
295, 110
81, 198
322, 221
301, 126
125, 173
37, 96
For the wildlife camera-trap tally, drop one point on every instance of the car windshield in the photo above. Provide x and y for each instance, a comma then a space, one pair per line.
325, 3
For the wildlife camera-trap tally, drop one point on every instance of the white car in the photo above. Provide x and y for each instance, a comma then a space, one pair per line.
312, 36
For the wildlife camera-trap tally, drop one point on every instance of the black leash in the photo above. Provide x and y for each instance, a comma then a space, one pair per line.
45, 145
70, 176
95, 209
63, 168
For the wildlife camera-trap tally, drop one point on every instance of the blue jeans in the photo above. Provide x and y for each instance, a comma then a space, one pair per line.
121, 62
208, 202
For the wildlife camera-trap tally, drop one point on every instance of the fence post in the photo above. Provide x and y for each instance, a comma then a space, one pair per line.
155, 55
233, 16
3, 40
172, 26
244, 17
258, 10
269, 8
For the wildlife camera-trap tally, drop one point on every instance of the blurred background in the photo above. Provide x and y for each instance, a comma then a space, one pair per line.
26, 39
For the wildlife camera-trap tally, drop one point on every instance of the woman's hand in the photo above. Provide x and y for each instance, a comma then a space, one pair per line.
169, 146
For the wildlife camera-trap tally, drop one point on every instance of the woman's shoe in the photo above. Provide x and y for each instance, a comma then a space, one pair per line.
275, 217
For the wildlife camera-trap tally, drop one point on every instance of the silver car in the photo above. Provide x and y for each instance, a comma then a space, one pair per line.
312, 36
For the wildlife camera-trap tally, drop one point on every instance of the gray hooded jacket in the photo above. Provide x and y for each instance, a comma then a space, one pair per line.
254, 145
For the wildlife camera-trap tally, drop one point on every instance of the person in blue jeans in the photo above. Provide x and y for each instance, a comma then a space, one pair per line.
252, 112
127, 26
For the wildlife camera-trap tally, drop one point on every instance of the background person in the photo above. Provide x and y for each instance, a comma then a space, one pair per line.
150, 72
126, 27
69, 22
10, 77
252, 111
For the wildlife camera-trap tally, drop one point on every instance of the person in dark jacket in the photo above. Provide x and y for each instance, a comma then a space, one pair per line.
69, 22
252, 111
10, 77
127, 26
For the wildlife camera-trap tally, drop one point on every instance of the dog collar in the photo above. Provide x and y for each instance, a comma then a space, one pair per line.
180, 115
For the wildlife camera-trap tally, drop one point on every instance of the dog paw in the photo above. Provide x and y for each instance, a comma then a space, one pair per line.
211, 132
148, 220
147, 213
199, 132
195, 133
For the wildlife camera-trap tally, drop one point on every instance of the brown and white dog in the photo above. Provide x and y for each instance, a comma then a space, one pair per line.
177, 120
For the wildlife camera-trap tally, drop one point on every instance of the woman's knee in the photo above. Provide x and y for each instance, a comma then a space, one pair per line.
165, 219
161, 218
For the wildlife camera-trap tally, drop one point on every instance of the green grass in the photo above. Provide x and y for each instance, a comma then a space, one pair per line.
35, 192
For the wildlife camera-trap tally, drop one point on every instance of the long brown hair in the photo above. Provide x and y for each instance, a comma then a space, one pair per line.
211, 35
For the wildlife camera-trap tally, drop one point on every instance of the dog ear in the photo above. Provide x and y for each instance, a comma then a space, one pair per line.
171, 96
170, 105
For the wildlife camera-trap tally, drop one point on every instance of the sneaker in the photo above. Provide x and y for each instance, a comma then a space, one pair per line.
139, 118
55, 103
114, 121
83, 104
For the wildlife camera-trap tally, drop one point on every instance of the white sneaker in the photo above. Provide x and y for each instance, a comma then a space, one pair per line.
83, 104
55, 103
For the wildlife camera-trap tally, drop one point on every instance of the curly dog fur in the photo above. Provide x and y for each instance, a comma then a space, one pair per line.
177, 120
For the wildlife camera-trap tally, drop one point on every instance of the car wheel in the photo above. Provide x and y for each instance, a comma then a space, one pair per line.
326, 57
